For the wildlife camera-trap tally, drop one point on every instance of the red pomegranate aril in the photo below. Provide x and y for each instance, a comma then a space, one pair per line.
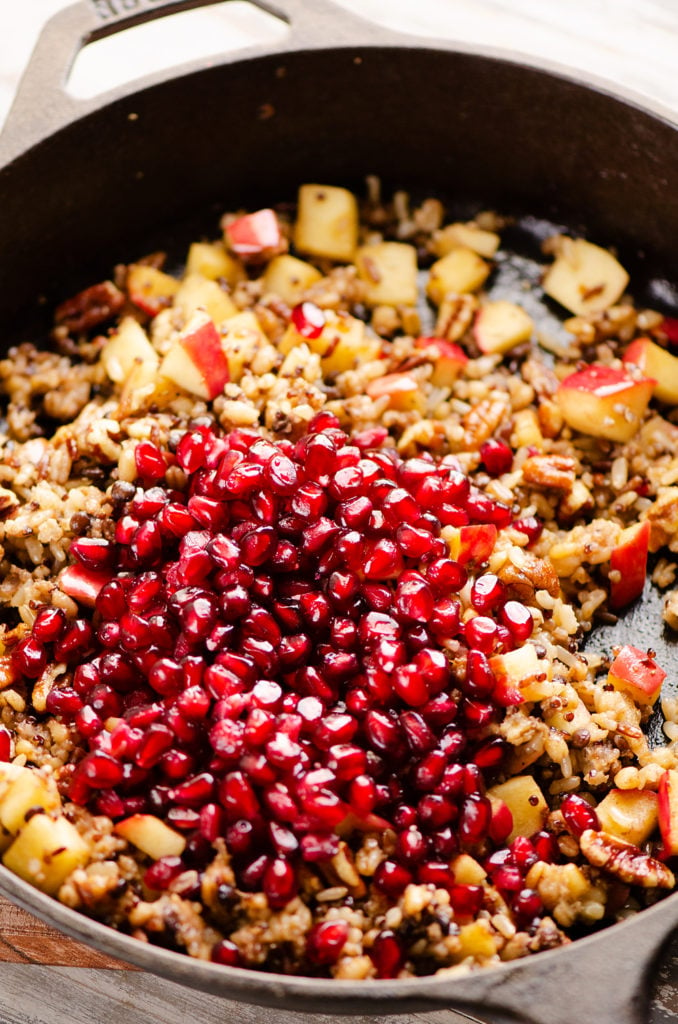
435, 873
177, 764
507, 878
334, 728
411, 846
445, 576
429, 771
435, 811
530, 526
362, 795
523, 853
166, 677
110, 804
282, 839
347, 761
64, 702
157, 739
383, 560
150, 461
527, 905
387, 955
146, 543
479, 680
487, 592
309, 321
579, 815
392, 878
101, 770
257, 545
160, 874
382, 732
196, 791
251, 876
490, 754
446, 619
29, 657
325, 941
474, 819
175, 520
440, 711
419, 736
87, 722
501, 823
211, 821
496, 456
414, 600
49, 625
518, 620
466, 900
546, 847
318, 847
279, 883
481, 634
410, 685
444, 843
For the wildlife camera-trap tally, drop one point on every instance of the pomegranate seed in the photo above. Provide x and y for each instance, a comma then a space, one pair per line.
150, 461
308, 320
579, 815
474, 819
5, 744
518, 620
527, 904
530, 526
162, 873
279, 883
387, 955
29, 657
392, 878
466, 900
49, 625
227, 953
501, 823
325, 941
497, 457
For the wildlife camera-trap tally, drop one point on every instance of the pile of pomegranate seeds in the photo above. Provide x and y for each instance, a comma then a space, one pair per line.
279, 655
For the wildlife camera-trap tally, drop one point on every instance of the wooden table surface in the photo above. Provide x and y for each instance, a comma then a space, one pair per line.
44, 977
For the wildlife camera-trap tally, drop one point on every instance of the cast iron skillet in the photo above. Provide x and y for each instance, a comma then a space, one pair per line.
83, 183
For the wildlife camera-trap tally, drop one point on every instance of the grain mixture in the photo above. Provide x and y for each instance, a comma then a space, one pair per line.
293, 588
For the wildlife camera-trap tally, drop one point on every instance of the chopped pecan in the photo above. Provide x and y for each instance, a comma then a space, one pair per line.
541, 377
455, 316
553, 471
483, 420
533, 574
91, 307
625, 861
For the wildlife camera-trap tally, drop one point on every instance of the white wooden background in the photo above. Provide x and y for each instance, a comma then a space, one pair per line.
629, 41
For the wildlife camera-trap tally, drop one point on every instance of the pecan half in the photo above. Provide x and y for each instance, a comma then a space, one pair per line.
91, 307
625, 861
553, 471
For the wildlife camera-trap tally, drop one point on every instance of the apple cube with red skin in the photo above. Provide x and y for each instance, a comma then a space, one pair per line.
635, 673
83, 584
520, 676
150, 289
526, 802
668, 811
656, 362
472, 543
501, 325
256, 237
604, 401
629, 559
448, 360
151, 835
196, 360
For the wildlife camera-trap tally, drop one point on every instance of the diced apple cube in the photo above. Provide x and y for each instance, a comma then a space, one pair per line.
149, 288
459, 272
501, 325
151, 835
472, 543
448, 360
198, 292
327, 222
467, 870
403, 392
196, 360
656, 362
635, 673
129, 349
570, 715
289, 278
630, 814
585, 278
629, 561
46, 851
465, 236
389, 272
83, 584
477, 940
211, 260
526, 802
604, 401
346, 344
25, 792
520, 675
668, 811
256, 237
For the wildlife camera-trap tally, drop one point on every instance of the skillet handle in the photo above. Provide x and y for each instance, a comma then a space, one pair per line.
43, 106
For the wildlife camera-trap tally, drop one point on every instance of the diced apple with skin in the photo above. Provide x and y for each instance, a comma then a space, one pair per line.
668, 811
585, 278
151, 835
25, 792
520, 675
289, 278
635, 673
211, 260
128, 351
149, 288
198, 292
447, 358
389, 273
82, 584
526, 802
472, 543
459, 272
629, 560
468, 236
630, 814
656, 362
604, 401
403, 392
500, 326
196, 360
256, 237
46, 851
327, 222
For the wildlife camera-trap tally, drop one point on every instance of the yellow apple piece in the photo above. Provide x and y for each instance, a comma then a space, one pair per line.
345, 344
149, 288
604, 401
668, 811
46, 851
196, 360
520, 675
211, 260
500, 326
289, 278
130, 350
151, 835
461, 271
327, 222
198, 292
389, 273
525, 801
403, 392
468, 236
447, 358
467, 870
630, 814
26, 791
570, 715
635, 673
477, 940
585, 278
656, 362
628, 561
